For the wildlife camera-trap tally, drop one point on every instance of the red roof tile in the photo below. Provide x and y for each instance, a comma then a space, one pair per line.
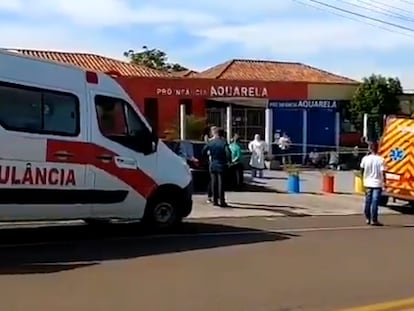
185, 73
259, 70
95, 63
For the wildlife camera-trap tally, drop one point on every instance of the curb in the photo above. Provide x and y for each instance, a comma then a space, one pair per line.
398, 305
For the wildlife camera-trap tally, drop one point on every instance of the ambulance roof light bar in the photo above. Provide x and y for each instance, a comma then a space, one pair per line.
92, 77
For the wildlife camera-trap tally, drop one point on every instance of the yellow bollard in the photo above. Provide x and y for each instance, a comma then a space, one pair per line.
358, 185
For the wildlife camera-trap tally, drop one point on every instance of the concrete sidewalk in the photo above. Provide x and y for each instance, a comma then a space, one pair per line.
249, 204
268, 198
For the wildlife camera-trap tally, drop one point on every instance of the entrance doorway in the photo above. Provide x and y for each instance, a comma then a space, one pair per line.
246, 121
216, 117
216, 113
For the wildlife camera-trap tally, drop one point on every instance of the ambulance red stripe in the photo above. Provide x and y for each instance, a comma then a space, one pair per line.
89, 153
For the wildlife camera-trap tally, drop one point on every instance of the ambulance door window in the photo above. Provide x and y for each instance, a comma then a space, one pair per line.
118, 122
20, 110
60, 114
38, 111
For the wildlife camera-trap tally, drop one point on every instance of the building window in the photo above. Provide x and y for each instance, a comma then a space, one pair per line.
216, 117
33, 110
246, 122
347, 127
151, 112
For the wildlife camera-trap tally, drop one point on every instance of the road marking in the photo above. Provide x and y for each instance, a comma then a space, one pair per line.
398, 305
205, 234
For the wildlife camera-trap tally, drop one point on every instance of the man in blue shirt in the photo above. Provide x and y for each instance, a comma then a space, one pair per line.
220, 156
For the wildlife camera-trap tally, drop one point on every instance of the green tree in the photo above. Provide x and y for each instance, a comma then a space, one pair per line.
194, 128
153, 58
376, 96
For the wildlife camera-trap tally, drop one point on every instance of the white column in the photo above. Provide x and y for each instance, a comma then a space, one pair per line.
183, 123
269, 128
305, 135
337, 130
229, 122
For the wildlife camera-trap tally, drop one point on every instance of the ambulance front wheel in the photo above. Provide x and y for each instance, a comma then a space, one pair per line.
162, 213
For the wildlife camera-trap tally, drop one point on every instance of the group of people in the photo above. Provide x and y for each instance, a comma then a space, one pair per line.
225, 160
224, 156
321, 160
221, 157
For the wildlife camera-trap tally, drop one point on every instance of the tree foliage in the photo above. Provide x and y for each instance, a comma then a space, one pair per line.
377, 96
194, 128
153, 58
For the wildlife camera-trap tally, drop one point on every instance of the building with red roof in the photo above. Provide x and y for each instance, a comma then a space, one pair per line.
243, 96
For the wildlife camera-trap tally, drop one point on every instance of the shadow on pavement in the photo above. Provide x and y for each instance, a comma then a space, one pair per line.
345, 193
290, 211
271, 178
36, 268
62, 248
258, 188
321, 193
405, 209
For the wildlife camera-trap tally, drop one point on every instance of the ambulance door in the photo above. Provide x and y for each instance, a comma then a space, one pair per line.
42, 168
125, 152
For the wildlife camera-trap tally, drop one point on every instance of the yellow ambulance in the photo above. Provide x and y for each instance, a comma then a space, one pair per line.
397, 148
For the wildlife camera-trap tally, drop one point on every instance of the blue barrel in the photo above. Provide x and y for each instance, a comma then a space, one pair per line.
293, 185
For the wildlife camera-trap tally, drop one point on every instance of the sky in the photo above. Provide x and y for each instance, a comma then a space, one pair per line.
201, 34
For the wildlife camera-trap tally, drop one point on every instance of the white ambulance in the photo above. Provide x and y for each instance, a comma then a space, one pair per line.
73, 145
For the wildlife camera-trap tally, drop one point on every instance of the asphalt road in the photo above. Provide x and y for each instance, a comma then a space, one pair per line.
281, 263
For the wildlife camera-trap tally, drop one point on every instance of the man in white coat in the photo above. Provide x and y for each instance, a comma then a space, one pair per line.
258, 149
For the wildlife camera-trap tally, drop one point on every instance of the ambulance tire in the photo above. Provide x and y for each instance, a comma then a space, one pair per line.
163, 212
383, 201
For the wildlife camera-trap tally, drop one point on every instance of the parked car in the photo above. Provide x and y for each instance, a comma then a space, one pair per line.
191, 151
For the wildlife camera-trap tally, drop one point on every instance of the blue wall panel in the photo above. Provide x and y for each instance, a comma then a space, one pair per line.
291, 122
321, 128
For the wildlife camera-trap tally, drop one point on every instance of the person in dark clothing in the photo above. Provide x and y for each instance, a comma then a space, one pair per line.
220, 156
208, 135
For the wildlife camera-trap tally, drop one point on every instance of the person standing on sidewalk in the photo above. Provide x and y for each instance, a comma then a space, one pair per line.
236, 162
258, 149
207, 138
373, 175
220, 156
284, 146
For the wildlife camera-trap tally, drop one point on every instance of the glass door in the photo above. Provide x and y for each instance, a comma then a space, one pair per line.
216, 117
247, 122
